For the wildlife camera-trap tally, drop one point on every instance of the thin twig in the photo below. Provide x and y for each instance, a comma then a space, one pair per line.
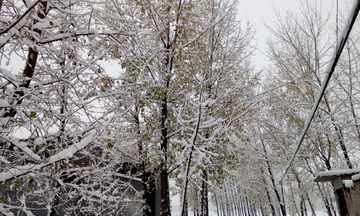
20, 18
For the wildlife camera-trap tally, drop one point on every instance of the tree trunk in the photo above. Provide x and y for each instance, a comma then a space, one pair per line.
234, 207
282, 205
268, 193
164, 176
189, 162
30, 64
186, 181
186, 213
222, 206
165, 201
217, 204
204, 205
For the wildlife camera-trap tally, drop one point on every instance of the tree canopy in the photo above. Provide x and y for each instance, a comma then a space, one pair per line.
181, 102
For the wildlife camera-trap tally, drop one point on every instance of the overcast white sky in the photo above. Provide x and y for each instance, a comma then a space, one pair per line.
260, 11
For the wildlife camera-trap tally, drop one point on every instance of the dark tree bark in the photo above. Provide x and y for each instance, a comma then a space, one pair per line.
282, 205
30, 65
217, 204
268, 193
204, 202
164, 176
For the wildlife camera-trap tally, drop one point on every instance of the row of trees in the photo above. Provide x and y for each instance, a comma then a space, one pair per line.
181, 104
299, 48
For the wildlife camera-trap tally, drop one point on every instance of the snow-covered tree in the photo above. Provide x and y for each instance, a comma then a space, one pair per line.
67, 162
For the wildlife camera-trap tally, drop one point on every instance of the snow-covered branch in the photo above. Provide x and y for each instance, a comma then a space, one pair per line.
66, 153
59, 37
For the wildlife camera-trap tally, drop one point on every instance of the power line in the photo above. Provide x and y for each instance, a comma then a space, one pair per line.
335, 59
